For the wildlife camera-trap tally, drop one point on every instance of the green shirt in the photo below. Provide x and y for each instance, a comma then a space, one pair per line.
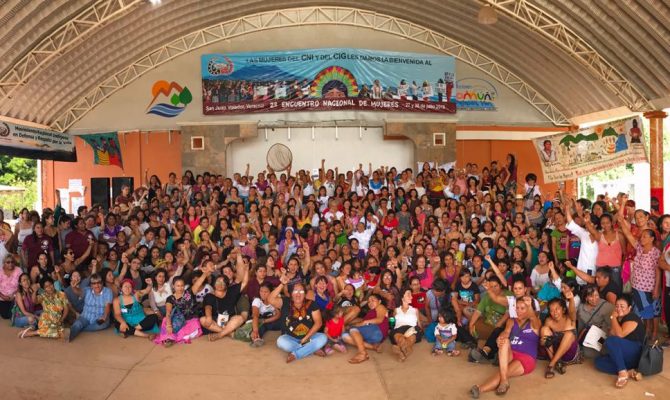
490, 310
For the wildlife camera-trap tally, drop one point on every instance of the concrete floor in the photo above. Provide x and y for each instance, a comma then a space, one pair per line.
104, 366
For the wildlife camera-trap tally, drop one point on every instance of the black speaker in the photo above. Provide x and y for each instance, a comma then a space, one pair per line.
119, 182
100, 192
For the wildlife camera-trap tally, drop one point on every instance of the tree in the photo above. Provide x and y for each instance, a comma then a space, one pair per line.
20, 172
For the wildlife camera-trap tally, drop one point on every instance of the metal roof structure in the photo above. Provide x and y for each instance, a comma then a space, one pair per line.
568, 58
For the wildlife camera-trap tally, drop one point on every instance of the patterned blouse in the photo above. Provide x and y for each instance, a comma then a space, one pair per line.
644, 268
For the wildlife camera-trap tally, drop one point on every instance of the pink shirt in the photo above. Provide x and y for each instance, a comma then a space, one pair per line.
10, 284
644, 268
609, 254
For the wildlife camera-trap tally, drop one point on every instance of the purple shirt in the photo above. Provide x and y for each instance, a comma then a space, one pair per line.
524, 340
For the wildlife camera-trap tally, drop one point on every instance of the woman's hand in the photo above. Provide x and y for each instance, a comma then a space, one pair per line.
123, 327
255, 335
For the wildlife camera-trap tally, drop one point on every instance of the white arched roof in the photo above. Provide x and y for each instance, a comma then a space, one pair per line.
581, 56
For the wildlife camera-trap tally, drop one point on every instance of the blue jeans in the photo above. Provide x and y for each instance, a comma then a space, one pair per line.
623, 354
82, 324
290, 344
22, 321
371, 333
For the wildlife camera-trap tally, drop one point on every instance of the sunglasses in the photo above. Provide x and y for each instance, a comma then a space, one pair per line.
299, 291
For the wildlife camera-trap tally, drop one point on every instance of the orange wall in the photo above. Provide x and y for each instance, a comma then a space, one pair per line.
483, 152
140, 151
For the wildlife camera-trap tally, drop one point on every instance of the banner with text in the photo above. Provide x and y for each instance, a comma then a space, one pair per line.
28, 142
590, 150
327, 79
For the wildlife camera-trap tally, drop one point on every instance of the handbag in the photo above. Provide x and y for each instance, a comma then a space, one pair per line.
651, 359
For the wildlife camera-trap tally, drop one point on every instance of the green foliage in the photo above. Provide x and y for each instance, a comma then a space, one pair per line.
185, 96
174, 99
19, 172
14, 169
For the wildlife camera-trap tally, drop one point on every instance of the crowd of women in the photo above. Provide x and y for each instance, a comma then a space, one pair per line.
472, 261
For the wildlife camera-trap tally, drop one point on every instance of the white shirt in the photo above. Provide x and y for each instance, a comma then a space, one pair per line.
588, 251
406, 319
262, 307
364, 237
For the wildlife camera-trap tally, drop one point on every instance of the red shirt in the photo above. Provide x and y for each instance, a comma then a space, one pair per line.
419, 300
33, 247
78, 242
334, 328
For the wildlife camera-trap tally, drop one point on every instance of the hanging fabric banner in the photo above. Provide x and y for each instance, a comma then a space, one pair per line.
327, 79
28, 142
587, 151
106, 148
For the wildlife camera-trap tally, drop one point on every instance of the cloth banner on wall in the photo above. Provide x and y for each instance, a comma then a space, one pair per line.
106, 148
28, 142
327, 79
590, 150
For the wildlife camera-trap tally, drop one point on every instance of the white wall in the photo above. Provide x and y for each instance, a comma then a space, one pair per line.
346, 152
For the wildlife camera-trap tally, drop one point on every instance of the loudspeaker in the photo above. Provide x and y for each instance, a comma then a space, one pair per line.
119, 182
100, 192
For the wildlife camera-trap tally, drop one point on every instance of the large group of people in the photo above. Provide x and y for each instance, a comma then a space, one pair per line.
474, 261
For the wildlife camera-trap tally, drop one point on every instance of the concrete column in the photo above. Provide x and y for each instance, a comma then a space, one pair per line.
656, 154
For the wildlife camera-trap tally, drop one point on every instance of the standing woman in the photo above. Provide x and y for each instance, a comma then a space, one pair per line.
517, 349
664, 261
646, 276
610, 247
301, 322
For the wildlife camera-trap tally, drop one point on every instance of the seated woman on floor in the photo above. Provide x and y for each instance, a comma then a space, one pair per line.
407, 330
517, 349
54, 313
129, 317
593, 311
559, 335
265, 317
181, 324
370, 332
624, 343
301, 322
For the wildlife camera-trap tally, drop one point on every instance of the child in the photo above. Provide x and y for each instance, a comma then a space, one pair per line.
357, 281
445, 334
334, 329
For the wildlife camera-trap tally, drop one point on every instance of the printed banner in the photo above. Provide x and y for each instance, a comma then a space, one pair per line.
590, 150
327, 79
27, 142
106, 148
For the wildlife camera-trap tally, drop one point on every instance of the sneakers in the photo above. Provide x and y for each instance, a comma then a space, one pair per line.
257, 343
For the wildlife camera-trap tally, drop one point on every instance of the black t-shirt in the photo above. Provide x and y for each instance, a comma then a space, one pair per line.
297, 322
639, 332
466, 294
225, 305
610, 288
344, 302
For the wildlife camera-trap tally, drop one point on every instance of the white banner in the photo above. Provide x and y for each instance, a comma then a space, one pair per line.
23, 141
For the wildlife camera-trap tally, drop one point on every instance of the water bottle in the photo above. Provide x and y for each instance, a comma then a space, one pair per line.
392, 322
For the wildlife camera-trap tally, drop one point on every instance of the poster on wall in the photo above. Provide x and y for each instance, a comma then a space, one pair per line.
475, 94
325, 80
590, 150
106, 148
28, 142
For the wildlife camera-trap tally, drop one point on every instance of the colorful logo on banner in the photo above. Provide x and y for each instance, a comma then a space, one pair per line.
474, 94
590, 150
106, 148
178, 97
327, 79
41, 144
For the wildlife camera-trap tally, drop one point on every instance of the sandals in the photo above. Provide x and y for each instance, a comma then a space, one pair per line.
453, 353
621, 382
502, 389
359, 358
397, 351
474, 392
437, 352
22, 334
290, 358
561, 368
549, 372
635, 375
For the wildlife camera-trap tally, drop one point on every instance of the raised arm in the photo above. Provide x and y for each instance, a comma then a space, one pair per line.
242, 272
275, 296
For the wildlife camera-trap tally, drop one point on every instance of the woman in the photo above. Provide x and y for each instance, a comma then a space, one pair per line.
222, 317
129, 317
624, 343
407, 327
646, 276
181, 324
517, 349
370, 332
75, 293
301, 322
9, 285
35, 244
559, 335
160, 291
320, 295
265, 317
611, 246
594, 311
54, 314
25, 312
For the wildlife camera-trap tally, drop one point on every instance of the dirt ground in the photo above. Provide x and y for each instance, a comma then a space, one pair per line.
104, 366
